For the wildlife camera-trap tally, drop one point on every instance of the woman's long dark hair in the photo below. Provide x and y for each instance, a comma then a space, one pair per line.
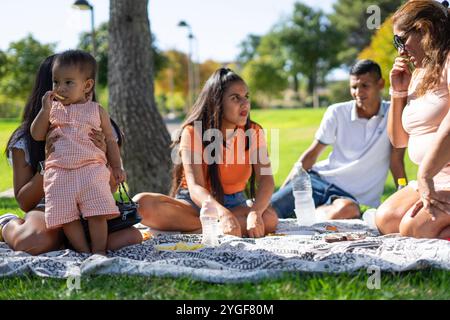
42, 84
208, 109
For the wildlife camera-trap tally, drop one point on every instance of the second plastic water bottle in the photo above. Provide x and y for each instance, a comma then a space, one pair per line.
302, 191
210, 224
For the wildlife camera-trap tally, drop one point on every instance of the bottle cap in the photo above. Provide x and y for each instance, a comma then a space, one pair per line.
401, 182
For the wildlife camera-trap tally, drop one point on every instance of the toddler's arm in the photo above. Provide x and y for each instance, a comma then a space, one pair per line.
112, 148
41, 123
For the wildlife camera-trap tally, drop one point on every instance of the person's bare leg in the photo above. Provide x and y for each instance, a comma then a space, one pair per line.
445, 233
390, 213
270, 219
123, 238
339, 209
421, 225
75, 233
98, 231
162, 212
31, 234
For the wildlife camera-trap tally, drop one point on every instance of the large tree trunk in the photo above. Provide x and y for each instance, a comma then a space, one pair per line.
146, 151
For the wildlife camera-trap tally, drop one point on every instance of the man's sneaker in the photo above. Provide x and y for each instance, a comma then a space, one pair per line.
4, 219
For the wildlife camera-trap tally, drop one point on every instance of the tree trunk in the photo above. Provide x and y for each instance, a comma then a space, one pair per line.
312, 89
296, 86
146, 150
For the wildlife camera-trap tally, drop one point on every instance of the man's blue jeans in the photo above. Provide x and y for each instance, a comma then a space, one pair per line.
324, 193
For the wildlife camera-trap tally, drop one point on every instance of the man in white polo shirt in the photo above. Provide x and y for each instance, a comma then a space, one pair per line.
356, 170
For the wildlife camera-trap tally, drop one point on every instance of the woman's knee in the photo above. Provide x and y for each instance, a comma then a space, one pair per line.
391, 212
388, 218
32, 235
36, 242
270, 219
407, 228
124, 238
154, 209
411, 227
421, 225
148, 203
134, 236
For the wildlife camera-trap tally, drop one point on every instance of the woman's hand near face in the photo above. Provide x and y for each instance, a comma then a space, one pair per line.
400, 74
47, 100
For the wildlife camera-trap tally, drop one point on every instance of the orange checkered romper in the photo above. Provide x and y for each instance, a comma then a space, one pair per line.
76, 179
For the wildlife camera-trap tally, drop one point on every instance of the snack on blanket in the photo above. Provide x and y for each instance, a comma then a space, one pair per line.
146, 235
187, 247
182, 246
331, 228
343, 237
59, 97
355, 236
334, 238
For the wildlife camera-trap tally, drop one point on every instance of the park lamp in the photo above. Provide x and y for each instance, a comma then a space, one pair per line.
191, 84
82, 5
183, 23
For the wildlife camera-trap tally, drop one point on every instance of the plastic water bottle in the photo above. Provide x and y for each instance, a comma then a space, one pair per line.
369, 218
302, 191
209, 218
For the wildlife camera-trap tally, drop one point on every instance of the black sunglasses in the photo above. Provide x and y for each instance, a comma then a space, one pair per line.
399, 42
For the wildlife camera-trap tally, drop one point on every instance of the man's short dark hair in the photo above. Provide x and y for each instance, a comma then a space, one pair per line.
365, 66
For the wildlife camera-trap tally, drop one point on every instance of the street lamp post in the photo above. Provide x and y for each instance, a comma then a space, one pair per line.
190, 66
84, 5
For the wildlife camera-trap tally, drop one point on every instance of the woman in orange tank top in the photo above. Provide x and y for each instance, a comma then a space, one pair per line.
222, 152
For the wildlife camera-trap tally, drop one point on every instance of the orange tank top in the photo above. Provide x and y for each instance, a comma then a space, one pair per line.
235, 167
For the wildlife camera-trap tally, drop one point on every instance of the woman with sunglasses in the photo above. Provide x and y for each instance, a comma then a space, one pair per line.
419, 119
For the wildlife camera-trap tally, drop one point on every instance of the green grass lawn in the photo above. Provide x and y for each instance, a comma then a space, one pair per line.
426, 284
297, 128
6, 128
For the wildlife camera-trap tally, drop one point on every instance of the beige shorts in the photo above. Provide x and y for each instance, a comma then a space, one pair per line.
71, 193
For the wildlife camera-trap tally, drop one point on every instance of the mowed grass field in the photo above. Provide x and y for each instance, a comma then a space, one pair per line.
296, 131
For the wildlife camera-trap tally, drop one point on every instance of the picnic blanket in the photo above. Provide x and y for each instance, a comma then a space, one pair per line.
291, 249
